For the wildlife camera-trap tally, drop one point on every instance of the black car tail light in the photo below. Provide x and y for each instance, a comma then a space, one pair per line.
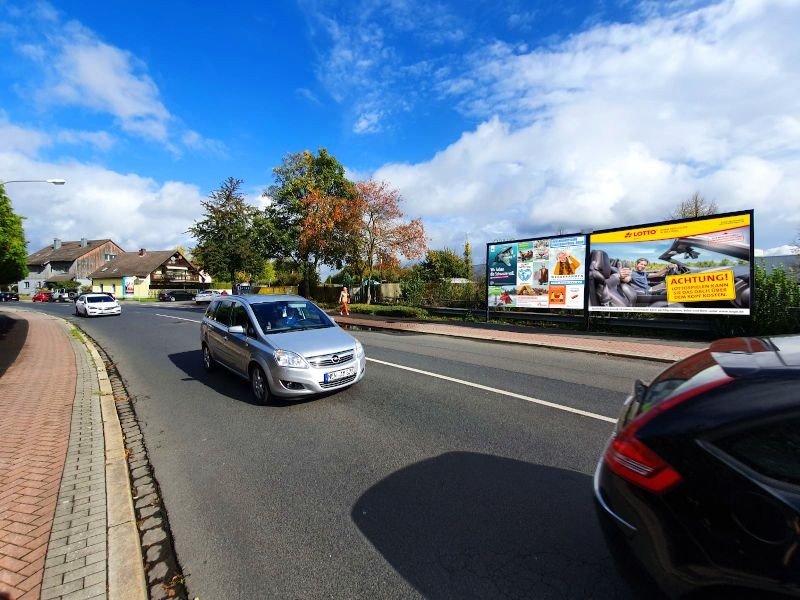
634, 461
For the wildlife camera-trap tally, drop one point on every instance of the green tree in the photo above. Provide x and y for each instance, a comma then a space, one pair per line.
442, 264
468, 259
227, 237
311, 216
694, 206
13, 251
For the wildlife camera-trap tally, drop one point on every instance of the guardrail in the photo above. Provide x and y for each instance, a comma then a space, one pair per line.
578, 319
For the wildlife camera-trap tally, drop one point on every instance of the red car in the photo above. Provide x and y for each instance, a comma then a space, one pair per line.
41, 297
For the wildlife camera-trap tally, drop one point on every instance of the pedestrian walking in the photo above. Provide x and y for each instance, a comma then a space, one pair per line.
344, 299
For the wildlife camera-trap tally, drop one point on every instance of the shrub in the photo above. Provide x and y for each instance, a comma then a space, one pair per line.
776, 306
412, 312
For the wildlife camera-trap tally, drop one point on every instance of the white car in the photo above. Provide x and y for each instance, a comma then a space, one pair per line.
206, 296
95, 305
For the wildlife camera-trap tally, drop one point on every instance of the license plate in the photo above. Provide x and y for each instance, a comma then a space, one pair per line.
340, 374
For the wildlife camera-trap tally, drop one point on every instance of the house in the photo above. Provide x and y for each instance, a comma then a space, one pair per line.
145, 273
67, 261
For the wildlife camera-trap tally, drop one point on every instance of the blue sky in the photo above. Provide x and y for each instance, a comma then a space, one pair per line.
494, 120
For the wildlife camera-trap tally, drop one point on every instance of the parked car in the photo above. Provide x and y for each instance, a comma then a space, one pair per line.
43, 296
96, 304
700, 482
173, 295
285, 345
206, 296
9, 297
61, 295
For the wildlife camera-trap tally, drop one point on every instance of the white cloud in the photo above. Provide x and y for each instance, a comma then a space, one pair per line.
105, 78
367, 123
71, 66
195, 141
30, 141
785, 250
134, 211
617, 124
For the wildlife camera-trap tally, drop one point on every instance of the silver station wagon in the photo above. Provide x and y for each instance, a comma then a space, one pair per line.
285, 345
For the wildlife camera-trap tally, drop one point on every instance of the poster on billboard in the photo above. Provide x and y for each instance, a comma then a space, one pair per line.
537, 273
700, 266
127, 286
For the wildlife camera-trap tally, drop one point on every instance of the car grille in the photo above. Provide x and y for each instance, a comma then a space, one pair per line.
326, 360
338, 382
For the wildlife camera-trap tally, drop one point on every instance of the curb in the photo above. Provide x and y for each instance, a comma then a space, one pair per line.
125, 564
491, 337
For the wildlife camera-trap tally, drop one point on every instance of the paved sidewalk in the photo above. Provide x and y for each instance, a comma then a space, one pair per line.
642, 348
58, 507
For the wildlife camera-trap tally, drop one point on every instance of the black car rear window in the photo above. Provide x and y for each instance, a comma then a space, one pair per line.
772, 449
93, 299
684, 376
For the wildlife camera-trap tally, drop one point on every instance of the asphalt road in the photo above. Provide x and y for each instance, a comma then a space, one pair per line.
403, 486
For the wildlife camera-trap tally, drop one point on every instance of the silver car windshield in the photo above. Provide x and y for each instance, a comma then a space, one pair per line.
290, 315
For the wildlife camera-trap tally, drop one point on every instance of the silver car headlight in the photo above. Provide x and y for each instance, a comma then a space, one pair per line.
359, 349
285, 358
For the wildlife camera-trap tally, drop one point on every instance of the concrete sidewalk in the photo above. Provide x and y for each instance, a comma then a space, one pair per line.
66, 513
632, 347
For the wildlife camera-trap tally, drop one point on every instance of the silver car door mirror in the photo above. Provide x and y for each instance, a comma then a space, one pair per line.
236, 329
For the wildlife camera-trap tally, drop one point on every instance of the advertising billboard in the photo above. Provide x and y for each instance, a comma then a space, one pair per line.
537, 273
127, 286
700, 266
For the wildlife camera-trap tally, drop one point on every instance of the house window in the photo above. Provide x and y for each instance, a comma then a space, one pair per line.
101, 287
113, 288
27, 284
108, 257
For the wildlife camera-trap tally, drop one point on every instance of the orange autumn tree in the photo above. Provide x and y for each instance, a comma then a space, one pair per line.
383, 234
330, 227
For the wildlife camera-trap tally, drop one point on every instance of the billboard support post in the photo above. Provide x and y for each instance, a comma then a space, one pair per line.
586, 258
487, 283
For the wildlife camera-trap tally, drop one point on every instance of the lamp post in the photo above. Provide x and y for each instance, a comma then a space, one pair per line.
53, 181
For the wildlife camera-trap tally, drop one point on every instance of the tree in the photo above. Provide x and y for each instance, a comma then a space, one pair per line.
310, 217
696, 206
383, 234
442, 264
13, 250
468, 259
227, 240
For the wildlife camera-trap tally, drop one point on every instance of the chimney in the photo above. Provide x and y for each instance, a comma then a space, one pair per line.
142, 251
56, 244
83, 242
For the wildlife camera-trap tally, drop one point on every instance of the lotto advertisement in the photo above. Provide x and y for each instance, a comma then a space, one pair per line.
543, 273
700, 266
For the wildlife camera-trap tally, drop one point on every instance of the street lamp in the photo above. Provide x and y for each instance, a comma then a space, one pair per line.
53, 181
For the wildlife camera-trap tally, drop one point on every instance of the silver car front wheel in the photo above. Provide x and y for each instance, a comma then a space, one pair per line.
259, 385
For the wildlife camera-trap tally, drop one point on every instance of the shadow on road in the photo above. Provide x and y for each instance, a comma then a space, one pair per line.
466, 525
226, 383
13, 333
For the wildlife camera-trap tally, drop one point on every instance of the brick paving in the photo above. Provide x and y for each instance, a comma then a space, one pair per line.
75, 566
36, 396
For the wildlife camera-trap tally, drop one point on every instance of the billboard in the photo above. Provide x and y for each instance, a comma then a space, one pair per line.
537, 273
127, 286
700, 266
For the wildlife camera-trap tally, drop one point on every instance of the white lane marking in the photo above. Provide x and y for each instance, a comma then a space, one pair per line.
179, 318
486, 388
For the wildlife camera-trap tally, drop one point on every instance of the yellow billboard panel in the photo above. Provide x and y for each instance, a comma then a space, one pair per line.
664, 231
701, 287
